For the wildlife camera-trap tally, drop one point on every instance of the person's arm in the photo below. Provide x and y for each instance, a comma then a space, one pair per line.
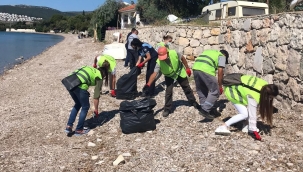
220, 76
139, 60
114, 81
151, 78
184, 61
148, 57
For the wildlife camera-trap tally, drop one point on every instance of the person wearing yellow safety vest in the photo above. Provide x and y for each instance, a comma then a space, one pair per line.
88, 76
109, 63
169, 63
208, 86
246, 97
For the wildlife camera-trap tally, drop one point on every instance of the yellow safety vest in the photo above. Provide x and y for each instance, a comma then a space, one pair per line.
207, 62
237, 94
111, 61
87, 76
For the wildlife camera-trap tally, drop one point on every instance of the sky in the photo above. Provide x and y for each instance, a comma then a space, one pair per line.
61, 5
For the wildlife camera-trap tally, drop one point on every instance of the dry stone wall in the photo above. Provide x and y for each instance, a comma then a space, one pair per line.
266, 46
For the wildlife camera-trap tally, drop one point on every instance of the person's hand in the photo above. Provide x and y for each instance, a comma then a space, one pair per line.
113, 93
145, 89
257, 136
188, 71
140, 65
95, 114
95, 65
221, 90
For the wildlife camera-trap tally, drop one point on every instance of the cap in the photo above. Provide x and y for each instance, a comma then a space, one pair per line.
162, 53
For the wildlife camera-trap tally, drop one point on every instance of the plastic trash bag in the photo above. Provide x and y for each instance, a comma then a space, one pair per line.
137, 116
127, 85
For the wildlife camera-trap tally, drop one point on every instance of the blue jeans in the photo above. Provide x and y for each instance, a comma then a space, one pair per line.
81, 99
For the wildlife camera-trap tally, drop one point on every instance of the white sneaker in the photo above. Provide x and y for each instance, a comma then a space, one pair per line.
222, 130
245, 129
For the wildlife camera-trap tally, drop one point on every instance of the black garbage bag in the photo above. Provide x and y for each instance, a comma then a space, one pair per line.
127, 85
137, 115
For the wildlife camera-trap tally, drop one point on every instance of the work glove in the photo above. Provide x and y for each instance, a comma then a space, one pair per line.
221, 90
140, 65
95, 114
95, 65
188, 71
145, 90
257, 136
113, 93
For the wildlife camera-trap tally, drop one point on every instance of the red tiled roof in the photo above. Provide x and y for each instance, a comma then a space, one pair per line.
128, 8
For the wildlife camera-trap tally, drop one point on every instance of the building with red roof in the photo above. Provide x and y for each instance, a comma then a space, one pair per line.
129, 16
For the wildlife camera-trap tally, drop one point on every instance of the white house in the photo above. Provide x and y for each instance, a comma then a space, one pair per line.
129, 17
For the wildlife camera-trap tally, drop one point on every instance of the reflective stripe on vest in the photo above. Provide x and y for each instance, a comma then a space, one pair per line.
85, 78
232, 94
207, 62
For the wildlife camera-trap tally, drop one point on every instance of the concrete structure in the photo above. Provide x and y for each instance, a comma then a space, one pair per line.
129, 17
20, 30
268, 46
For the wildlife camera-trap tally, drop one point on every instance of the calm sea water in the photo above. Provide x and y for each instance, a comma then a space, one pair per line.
15, 45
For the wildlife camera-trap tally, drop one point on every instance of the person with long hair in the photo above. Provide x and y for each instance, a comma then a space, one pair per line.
147, 54
109, 63
88, 76
167, 40
246, 97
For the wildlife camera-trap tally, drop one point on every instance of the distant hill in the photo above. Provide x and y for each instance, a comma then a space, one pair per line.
34, 11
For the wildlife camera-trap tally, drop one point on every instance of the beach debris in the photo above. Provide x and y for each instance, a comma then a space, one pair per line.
99, 140
126, 154
99, 163
91, 144
94, 157
119, 160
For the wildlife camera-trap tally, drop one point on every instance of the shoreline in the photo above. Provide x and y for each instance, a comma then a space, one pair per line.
17, 63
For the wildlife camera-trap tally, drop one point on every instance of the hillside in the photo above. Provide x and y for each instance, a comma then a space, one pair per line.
34, 11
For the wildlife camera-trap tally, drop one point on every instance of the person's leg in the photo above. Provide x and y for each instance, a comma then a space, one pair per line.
110, 81
127, 57
73, 114
211, 83
188, 91
242, 115
201, 88
168, 93
149, 71
132, 59
252, 113
84, 100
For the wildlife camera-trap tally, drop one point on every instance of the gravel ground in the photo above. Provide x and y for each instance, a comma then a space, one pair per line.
35, 107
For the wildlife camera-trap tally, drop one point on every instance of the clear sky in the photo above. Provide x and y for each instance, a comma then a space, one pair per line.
61, 5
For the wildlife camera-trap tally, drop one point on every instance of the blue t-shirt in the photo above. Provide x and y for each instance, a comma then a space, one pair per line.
146, 48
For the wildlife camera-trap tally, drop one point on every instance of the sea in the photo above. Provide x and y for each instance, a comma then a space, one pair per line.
16, 47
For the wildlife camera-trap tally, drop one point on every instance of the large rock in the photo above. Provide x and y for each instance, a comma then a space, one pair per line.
263, 36
189, 33
194, 43
198, 34
294, 89
249, 47
203, 41
268, 66
188, 51
214, 40
296, 39
241, 59
235, 38
197, 51
233, 55
183, 41
247, 25
282, 76
271, 48
221, 39
293, 63
249, 61
301, 69
215, 31
266, 23
275, 32
258, 61
256, 24
284, 37
206, 33
254, 37
182, 32
280, 58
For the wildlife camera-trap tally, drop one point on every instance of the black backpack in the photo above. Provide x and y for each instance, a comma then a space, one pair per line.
127, 85
235, 79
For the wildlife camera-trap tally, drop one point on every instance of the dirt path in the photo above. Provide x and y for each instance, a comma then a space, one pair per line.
34, 108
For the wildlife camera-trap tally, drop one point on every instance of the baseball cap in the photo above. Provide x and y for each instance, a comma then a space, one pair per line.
162, 53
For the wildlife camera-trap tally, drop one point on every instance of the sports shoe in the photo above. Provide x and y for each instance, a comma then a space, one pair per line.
245, 129
68, 129
81, 132
205, 114
165, 113
222, 130
196, 105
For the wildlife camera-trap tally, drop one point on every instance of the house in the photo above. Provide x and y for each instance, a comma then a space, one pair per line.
129, 17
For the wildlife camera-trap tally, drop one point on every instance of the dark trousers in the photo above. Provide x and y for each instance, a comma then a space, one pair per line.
133, 57
169, 91
149, 71
126, 58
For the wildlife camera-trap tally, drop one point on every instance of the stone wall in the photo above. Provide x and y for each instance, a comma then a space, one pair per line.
266, 46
